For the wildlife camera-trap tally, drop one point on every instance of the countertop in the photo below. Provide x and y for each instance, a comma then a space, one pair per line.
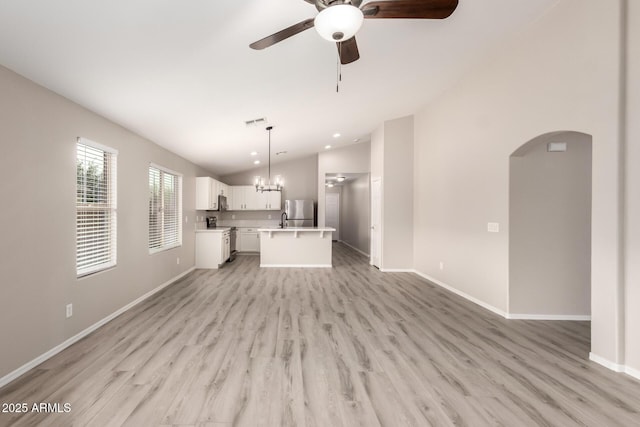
214, 230
297, 229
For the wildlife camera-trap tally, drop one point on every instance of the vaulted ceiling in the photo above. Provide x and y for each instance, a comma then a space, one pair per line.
181, 73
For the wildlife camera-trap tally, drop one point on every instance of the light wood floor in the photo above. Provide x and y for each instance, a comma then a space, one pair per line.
347, 346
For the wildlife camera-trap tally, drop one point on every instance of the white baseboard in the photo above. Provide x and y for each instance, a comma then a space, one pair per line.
632, 372
606, 362
296, 265
57, 349
397, 270
354, 248
572, 317
462, 294
510, 316
616, 367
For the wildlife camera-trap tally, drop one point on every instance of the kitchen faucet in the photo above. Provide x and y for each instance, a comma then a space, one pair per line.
283, 218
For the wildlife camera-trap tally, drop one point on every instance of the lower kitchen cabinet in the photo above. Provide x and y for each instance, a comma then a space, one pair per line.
212, 248
248, 240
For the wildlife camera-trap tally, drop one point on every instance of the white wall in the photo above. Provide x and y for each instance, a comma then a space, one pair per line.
300, 177
38, 131
560, 73
392, 161
550, 227
632, 260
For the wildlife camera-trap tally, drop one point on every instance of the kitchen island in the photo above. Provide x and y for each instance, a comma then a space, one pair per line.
296, 247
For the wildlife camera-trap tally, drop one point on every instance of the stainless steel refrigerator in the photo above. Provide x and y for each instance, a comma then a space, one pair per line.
300, 213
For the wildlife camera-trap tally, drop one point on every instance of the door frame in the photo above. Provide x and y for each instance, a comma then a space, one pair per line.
375, 258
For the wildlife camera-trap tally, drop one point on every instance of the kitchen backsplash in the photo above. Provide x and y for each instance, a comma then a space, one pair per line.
201, 223
248, 223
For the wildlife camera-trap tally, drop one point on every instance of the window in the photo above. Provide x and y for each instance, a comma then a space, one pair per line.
165, 209
95, 207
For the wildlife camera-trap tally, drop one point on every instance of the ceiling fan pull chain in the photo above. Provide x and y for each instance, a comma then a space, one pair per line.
338, 78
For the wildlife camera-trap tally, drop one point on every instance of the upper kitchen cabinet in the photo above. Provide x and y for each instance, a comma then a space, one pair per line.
246, 198
207, 192
269, 201
238, 197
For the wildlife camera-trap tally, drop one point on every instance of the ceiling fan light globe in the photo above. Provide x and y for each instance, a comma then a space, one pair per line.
339, 23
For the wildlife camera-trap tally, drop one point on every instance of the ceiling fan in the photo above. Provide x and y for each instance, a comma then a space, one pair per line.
339, 20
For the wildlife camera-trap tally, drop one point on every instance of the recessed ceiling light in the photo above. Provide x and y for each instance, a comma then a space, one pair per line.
326, 147
336, 135
256, 162
356, 140
329, 184
254, 153
340, 178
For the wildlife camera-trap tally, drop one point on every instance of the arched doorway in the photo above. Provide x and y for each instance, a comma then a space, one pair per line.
550, 227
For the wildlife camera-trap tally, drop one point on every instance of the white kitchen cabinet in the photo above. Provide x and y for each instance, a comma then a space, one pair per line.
204, 199
226, 246
212, 249
245, 197
238, 198
207, 191
248, 240
251, 198
274, 201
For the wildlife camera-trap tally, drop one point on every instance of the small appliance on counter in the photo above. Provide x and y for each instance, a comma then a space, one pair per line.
212, 222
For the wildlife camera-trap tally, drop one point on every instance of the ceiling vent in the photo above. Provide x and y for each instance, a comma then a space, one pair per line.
256, 122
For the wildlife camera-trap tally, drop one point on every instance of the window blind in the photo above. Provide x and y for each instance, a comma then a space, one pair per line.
96, 209
165, 209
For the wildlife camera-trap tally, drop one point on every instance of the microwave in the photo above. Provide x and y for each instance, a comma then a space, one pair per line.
222, 203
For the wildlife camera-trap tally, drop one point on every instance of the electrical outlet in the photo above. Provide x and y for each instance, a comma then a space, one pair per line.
186, 219
69, 310
178, 260
493, 227
441, 265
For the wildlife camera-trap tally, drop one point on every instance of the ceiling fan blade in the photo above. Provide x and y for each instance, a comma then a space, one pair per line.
348, 51
410, 9
282, 34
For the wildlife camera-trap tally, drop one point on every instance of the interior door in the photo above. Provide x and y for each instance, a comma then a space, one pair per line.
332, 213
376, 229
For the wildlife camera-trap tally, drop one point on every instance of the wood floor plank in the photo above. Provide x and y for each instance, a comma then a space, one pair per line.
346, 346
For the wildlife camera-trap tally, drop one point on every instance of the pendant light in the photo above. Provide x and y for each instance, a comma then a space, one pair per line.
261, 186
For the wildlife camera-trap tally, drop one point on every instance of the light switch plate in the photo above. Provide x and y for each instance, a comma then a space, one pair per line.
493, 227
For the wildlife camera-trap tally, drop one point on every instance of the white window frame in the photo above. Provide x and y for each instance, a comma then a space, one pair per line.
84, 209
178, 240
